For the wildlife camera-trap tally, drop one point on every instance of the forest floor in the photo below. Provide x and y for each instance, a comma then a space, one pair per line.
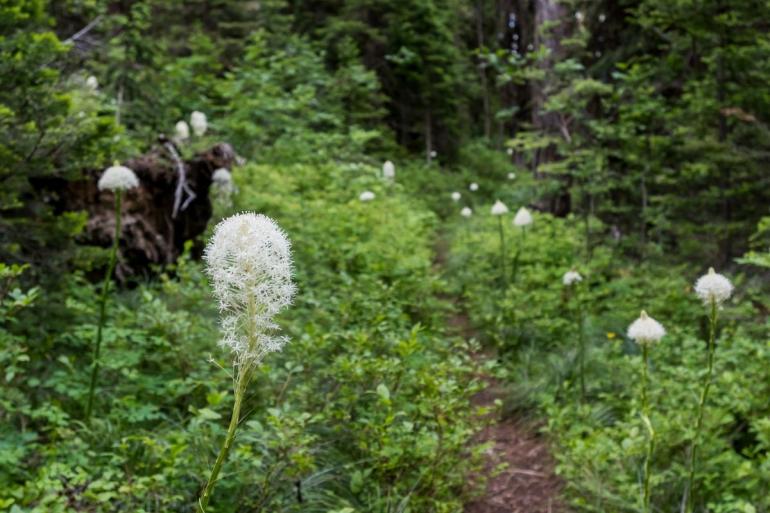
519, 469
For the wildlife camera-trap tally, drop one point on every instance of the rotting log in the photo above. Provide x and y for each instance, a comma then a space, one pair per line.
159, 216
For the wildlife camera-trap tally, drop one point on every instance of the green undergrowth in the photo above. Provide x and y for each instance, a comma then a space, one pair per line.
599, 441
367, 409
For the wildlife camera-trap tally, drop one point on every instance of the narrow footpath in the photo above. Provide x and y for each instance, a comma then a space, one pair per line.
527, 482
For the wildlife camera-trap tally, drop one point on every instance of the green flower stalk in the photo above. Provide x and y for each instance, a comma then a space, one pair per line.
713, 289
572, 279
249, 262
499, 210
522, 219
646, 331
116, 179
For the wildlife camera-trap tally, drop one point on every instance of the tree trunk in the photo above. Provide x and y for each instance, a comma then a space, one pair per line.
547, 11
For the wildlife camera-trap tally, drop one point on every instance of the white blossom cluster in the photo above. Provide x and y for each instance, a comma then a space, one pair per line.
473, 187
249, 262
199, 123
222, 177
456, 196
466, 212
499, 208
571, 277
182, 131
222, 185
92, 83
118, 178
522, 218
389, 170
646, 330
366, 196
713, 287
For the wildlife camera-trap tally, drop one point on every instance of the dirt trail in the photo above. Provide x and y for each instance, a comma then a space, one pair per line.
528, 483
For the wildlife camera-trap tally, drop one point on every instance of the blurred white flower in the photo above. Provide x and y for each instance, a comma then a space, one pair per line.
199, 123
222, 177
571, 277
182, 131
713, 287
646, 330
388, 170
366, 196
499, 208
249, 262
456, 196
433, 154
509, 151
579, 16
92, 83
602, 18
466, 212
522, 218
118, 178
511, 176
473, 186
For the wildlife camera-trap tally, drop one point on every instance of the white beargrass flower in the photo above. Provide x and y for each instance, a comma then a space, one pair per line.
456, 196
522, 218
118, 178
499, 208
571, 277
473, 186
366, 196
433, 154
466, 212
222, 177
249, 262
182, 130
646, 330
388, 170
713, 287
92, 83
199, 123
511, 176
509, 151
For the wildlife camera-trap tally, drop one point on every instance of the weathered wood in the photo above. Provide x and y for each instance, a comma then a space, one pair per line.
151, 234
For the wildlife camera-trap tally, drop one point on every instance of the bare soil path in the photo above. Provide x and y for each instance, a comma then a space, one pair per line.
527, 482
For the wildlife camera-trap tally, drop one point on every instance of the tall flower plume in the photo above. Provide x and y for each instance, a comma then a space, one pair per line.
456, 196
222, 177
182, 130
499, 208
713, 287
571, 277
92, 83
466, 212
473, 187
249, 262
118, 178
646, 330
199, 123
222, 184
522, 218
388, 170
